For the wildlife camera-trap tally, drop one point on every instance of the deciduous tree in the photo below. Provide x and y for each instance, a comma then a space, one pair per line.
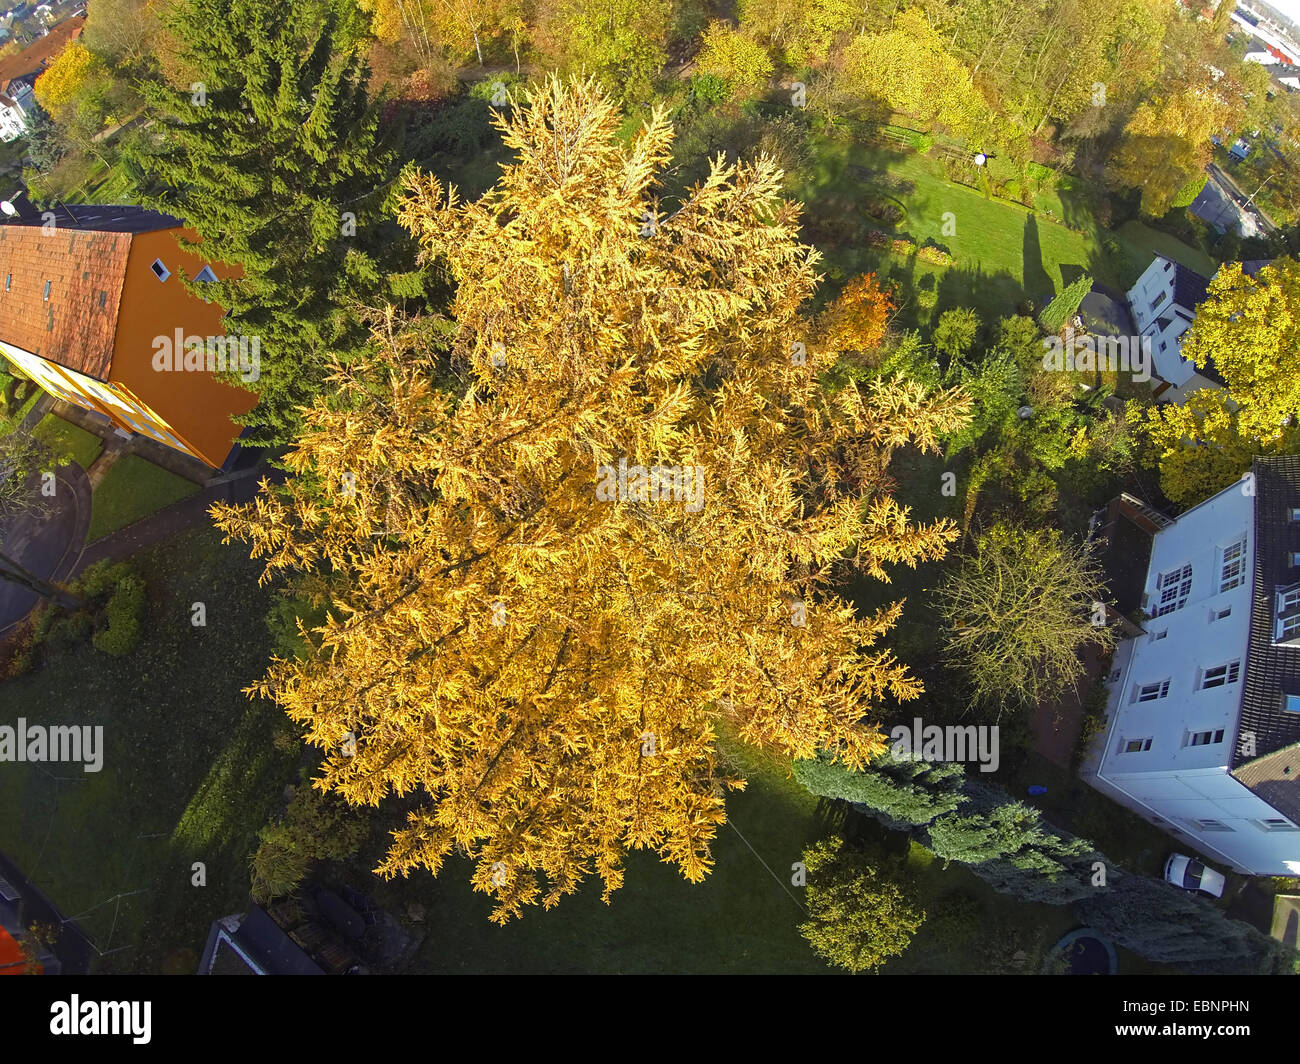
1019, 610
527, 627
857, 918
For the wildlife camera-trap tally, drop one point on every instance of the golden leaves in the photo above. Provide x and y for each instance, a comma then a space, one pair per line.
550, 667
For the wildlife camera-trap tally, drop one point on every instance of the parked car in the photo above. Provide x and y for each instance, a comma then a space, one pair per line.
1190, 874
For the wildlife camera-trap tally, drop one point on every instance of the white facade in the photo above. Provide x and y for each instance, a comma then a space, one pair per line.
14, 110
1158, 315
1176, 693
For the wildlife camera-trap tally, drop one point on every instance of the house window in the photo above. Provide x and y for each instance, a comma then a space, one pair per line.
1204, 738
206, 275
1149, 692
1234, 565
1137, 746
1174, 587
1220, 675
1211, 825
1164, 344
160, 271
47, 291
1157, 636
1158, 300
1220, 615
1288, 628
1276, 823
1289, 600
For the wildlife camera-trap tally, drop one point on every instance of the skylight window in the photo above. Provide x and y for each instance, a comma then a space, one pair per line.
47, 291
206, 275
160, 271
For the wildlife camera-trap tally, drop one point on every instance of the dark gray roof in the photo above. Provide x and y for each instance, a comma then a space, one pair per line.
96, 217
1271, 671
1189, 286
262, 940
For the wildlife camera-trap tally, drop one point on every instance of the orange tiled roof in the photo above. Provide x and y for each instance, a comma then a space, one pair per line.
76, 326
40, 51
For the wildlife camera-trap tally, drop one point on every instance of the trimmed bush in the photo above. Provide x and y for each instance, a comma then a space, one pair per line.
123, 613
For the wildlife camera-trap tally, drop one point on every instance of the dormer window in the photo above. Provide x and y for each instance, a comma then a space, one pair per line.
1293, 514
1291, 703
1287, 615
160, 271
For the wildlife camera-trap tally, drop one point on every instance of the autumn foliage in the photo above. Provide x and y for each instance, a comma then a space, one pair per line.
856, 321
550, 674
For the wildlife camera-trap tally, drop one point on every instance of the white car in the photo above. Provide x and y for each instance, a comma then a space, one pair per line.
1190, 874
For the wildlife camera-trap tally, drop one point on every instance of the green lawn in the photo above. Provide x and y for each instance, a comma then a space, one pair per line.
65, 438
9, 422
1003, 252
742, 919
132, 489
1146, 242
189, 773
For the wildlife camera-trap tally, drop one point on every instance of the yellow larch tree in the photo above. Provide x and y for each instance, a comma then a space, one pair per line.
600, 534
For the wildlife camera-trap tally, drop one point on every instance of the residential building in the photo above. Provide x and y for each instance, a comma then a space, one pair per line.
1203, 716
90, 296
1163, 303
18, 73
15, 106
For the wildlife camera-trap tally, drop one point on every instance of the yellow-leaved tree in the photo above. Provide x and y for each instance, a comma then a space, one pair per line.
1249, 328
605, 533
66, 79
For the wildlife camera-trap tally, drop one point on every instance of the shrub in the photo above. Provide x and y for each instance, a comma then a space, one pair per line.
100, 579
934, 255
314, 827
18, 654
1185, 195
956, 332
123, 613
858, 918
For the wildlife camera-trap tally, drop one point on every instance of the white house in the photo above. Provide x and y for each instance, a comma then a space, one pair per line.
1163, 304
15, 106
1203, 719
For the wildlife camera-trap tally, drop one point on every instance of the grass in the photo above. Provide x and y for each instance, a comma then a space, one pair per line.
1004, 253
9, 422
743, 918
65, 438
133, 489
189, 774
